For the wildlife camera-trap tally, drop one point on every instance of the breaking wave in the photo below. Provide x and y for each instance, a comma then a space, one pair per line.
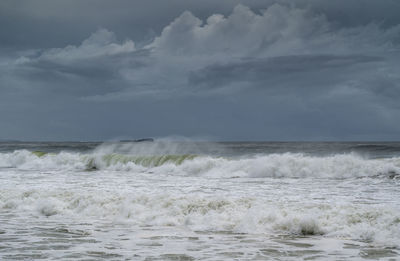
344, 196
289, 165
145, 161
377, 225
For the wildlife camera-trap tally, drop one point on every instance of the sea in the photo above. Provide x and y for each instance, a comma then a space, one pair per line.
190, 200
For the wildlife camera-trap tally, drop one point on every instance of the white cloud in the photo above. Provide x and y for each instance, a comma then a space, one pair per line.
305, 64
99, 44
279, 30
276, 31
189, 48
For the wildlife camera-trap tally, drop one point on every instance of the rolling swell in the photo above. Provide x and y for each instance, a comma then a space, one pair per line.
381, 149
242, 195
145, 161
286, 165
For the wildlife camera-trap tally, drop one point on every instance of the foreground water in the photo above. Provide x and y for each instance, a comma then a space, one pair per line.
200, 201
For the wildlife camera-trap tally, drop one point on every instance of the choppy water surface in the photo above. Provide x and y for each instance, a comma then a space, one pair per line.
200, 201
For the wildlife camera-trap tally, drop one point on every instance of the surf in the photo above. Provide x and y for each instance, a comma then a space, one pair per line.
285, 165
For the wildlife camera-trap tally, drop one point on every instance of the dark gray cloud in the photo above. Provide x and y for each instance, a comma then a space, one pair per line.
246, 70
47, 23
277, 68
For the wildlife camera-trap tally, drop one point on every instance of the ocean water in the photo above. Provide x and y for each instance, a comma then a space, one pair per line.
169, 200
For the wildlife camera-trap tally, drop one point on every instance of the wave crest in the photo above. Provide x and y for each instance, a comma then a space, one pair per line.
287, 165
94, 163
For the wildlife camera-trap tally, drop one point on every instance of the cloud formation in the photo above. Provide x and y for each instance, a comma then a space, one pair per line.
279, 39
99, 44
276, 31
307, 56
94, 57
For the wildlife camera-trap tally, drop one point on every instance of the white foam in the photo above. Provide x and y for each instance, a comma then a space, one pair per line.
265, 166
293, 165
378, 225
138, 199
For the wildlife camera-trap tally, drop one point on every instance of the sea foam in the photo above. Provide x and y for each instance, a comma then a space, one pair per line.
292, 165
378, 225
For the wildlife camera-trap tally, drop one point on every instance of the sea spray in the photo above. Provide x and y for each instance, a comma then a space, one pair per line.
244, 201
290, 165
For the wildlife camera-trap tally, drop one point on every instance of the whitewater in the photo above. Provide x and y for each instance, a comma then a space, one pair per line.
183, 200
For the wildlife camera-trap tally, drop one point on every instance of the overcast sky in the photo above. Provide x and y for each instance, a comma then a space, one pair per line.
221, 70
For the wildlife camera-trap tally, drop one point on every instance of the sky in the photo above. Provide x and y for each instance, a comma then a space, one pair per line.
227, 70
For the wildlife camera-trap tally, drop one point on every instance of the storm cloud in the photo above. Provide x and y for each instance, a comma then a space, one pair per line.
232, 70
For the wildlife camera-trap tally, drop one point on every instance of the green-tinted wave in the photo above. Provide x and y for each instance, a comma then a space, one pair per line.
146, 161
39, 153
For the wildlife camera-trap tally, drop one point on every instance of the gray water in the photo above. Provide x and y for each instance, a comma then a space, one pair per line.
169, 200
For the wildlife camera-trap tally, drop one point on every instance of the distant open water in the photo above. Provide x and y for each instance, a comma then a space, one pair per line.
167, 200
